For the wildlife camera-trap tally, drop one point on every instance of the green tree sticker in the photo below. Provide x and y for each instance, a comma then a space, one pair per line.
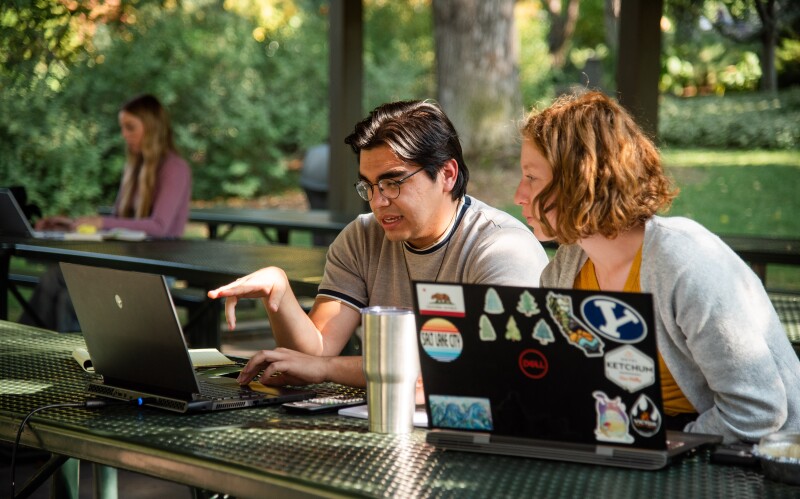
527, 304
492, 303
542, 333
512, 331
487, 332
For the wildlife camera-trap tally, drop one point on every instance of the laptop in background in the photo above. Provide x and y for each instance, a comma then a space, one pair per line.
13, 222
548, 373
136, 343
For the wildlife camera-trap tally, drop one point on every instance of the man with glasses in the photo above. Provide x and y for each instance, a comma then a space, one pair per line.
423, 226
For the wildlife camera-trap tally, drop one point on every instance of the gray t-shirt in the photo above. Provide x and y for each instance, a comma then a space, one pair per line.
484, 246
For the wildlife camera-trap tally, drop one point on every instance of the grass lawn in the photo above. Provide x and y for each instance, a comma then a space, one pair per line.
741, 192
736, 192
732, 192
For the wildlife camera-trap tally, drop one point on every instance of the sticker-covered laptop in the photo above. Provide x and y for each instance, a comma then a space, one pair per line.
136, 343
548, 373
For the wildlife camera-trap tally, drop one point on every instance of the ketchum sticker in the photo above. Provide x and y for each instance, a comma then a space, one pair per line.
629, 368
441, 340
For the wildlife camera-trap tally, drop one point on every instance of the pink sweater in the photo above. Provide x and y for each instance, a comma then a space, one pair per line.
170, 211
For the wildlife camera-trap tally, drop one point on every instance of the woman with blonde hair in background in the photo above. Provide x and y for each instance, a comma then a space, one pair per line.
156, 183
153, 197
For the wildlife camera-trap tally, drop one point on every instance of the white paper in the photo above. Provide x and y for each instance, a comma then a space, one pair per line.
361, 412
209, 357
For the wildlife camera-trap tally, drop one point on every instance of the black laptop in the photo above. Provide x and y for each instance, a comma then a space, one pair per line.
136, 343
547, 373
14, 223
12, 219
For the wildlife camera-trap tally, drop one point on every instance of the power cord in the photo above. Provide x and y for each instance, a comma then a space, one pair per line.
89, 404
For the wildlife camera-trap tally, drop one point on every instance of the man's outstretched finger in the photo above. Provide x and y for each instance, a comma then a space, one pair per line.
230, 311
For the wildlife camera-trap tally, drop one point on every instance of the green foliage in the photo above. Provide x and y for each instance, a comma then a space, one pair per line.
398, 52
740, 121
50, 151
750, 192
535, 78
704, 54
707, 64
244, 100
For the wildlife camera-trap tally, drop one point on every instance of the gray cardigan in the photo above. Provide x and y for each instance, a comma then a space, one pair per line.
716, 328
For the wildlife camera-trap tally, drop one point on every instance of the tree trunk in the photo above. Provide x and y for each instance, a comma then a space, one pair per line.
769, 38
478, 72
562, 26
611, 22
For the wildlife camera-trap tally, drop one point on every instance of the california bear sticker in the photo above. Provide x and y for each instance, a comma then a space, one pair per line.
440, 299
441, 340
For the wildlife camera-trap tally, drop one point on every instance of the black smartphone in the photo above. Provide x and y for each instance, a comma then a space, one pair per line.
323, 404
740, 453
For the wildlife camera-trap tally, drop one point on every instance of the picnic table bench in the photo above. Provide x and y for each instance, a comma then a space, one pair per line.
759, 251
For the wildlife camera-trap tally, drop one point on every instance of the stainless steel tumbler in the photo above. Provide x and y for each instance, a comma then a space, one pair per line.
391, 366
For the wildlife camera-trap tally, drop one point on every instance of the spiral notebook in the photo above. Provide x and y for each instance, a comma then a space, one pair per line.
547, 373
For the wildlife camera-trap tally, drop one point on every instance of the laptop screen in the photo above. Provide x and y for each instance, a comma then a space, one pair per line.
131, 329
548, 364
12, 218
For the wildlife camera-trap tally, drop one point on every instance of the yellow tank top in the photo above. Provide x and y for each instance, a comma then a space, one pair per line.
675, 402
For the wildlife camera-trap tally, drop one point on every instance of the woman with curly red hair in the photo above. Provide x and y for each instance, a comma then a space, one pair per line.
593, 182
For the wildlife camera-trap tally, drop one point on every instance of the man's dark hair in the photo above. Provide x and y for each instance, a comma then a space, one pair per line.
418, 132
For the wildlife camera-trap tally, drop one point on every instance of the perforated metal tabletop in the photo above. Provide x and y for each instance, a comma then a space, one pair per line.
267, 452
788, 307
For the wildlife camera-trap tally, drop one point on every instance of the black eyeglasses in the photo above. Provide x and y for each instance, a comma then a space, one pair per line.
389, 188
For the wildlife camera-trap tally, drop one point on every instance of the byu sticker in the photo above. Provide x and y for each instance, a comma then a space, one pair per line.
614, 319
